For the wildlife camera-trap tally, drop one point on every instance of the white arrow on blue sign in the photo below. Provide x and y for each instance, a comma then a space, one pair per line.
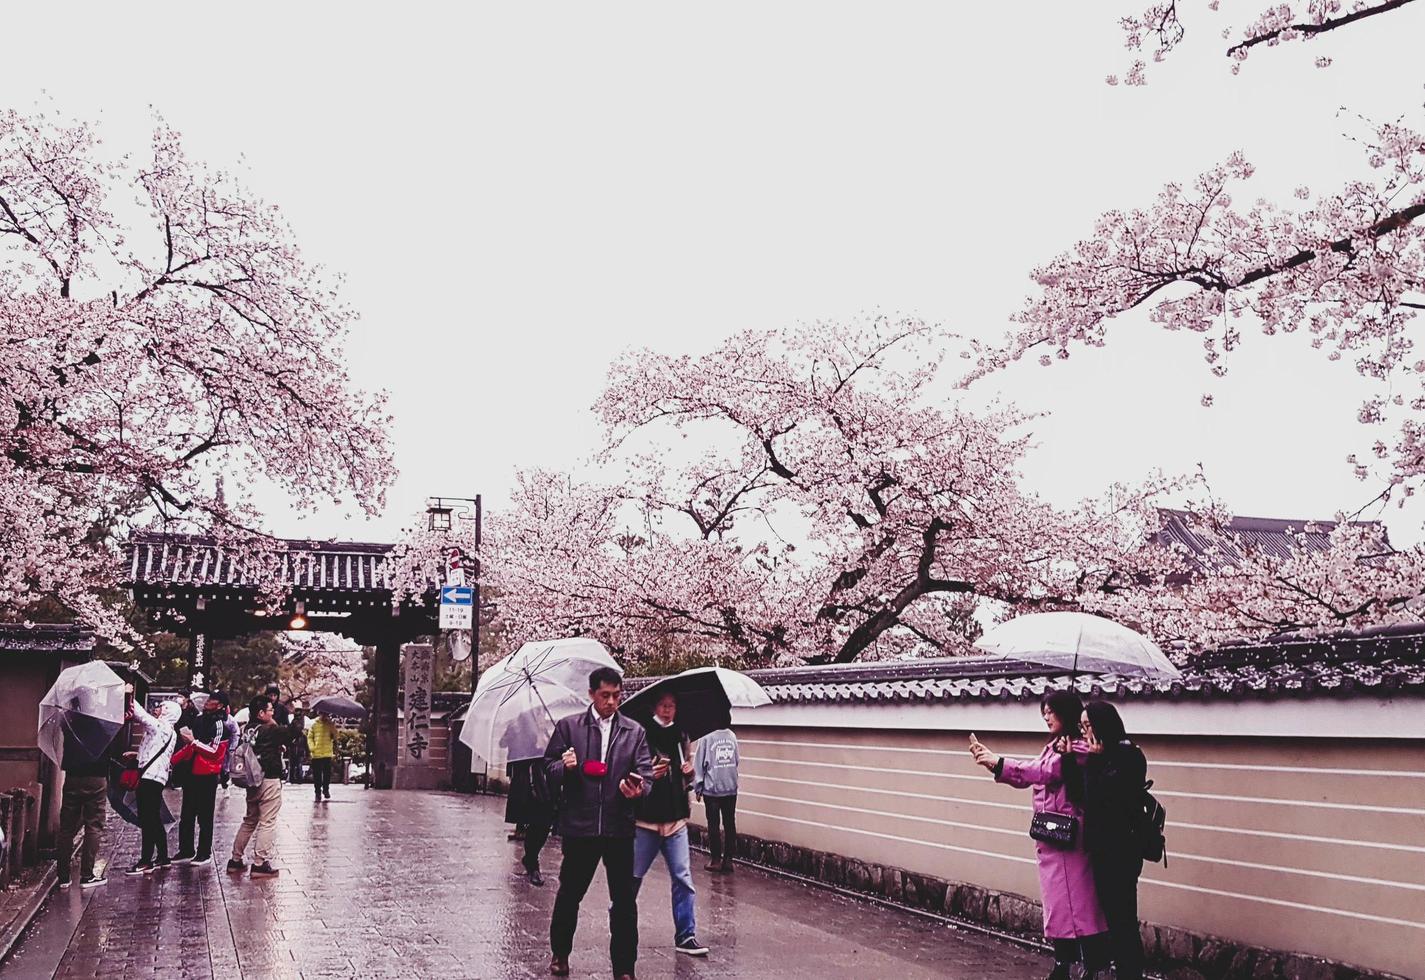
457, 595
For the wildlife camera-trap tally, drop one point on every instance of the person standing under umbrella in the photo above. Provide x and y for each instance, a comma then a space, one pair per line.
1114, 774
205, 749
84, 799
154, 756
529, 808
1073, 919
321, 746
715, 783
662, 825
598, 761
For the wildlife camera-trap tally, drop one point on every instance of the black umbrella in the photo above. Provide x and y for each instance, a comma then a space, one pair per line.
338, 706
706, 697
126, 801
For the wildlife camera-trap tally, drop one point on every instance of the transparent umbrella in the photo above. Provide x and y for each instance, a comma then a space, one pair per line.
81, 713
519, 699
1077, 642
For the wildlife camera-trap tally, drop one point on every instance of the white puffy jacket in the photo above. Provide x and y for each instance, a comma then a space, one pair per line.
159, 740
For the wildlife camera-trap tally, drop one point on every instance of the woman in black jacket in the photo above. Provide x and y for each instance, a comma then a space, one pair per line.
1113, 780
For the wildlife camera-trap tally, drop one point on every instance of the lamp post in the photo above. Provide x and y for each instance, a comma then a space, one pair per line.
443, 511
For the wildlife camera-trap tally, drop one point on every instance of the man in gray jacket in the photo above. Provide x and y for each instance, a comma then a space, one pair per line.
598, 764
715, 782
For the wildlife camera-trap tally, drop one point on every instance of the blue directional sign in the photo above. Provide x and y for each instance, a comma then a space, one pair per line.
457, 595
457, 607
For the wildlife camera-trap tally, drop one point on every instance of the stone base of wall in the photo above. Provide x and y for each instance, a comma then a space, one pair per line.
421, 777
1176, 953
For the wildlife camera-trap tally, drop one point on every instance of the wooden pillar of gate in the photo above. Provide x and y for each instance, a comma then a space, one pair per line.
387, 670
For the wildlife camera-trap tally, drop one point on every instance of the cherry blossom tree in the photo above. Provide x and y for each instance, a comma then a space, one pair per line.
145, 355
802, 495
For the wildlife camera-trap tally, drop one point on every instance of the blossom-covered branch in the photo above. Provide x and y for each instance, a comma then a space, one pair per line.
1160, 26
1348, 270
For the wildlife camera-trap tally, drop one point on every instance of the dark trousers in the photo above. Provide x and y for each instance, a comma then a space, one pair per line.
1093, 950
536, 833
84, 804
581, 859
722, 810
200, 795
152, 831
1117, 885
322, 777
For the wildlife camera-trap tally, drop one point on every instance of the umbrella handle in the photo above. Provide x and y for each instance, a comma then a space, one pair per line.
535, 688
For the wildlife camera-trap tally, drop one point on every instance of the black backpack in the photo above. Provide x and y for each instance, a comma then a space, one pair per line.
1152, 818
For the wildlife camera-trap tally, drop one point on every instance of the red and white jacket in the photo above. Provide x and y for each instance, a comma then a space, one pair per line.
207, 759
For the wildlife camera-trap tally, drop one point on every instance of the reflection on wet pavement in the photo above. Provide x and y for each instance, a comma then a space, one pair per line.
407, 884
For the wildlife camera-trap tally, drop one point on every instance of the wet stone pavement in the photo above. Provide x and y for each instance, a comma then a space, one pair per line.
406, 884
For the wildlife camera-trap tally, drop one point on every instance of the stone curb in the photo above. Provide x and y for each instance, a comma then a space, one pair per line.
10, 938
1174, 953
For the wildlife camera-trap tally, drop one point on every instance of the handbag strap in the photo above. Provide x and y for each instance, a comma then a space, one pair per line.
144, 768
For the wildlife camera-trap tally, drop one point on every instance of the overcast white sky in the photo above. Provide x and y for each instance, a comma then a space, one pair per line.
516, 195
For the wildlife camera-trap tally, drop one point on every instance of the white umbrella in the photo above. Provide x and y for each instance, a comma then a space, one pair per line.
1077, 642
519, 699
82, 712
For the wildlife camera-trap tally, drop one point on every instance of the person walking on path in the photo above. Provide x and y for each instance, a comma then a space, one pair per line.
280, 714
205, 750
230, 736
84, 801
264, 802
662, 824
154, 758
715, 783
529, 806
321, 745
598, 764
297, 755
1073, 919
1114, 773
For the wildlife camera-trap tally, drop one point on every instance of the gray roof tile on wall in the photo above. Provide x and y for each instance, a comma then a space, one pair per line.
1372, 662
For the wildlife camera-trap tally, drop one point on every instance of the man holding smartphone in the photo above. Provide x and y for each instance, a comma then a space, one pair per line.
598, 765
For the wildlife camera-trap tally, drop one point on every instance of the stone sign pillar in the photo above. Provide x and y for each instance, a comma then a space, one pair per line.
413, 765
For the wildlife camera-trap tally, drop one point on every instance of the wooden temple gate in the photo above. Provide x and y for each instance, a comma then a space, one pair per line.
188, 585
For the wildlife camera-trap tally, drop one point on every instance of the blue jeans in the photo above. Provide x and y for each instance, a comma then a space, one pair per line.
648, 844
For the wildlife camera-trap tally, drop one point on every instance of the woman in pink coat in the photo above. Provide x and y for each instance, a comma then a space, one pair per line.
1073, 920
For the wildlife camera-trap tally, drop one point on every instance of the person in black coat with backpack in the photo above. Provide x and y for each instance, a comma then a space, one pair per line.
1114, 778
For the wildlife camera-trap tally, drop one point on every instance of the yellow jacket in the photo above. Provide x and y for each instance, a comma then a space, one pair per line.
321, 739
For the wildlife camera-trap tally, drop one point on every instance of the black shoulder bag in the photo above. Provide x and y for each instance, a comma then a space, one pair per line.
1056, 829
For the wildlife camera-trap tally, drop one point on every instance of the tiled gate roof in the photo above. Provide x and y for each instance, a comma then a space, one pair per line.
195, 561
